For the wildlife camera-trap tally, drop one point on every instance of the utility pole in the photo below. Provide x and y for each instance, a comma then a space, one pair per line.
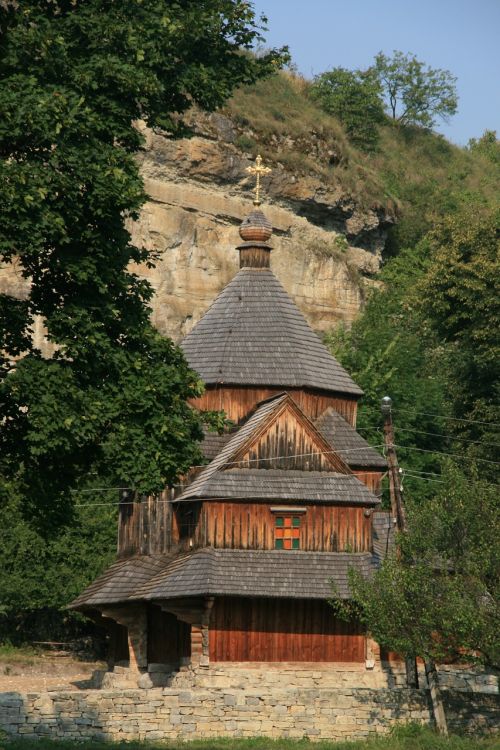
397, 507
395, 491
398, 513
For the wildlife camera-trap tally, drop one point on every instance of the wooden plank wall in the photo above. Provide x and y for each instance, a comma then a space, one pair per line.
238, 402
274, 630
296, 446
147, 526
251, 526
372, 479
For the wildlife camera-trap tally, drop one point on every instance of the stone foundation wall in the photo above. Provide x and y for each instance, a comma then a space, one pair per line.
317, 675
167, 713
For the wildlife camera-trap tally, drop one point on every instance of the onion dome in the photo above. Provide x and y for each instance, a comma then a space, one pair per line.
256, 227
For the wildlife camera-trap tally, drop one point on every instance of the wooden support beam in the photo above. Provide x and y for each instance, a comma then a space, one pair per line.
134, 618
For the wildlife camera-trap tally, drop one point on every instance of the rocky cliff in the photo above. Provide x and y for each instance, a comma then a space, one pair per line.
326, 246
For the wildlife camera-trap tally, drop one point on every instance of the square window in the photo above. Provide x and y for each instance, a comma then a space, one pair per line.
287, 532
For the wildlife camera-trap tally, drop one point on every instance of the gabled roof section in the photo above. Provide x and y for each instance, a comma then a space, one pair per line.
288, 439
236, 456
344, 438
253, 334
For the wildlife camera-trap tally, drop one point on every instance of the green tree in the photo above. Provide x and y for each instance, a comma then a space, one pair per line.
354, 97
440, 594
41, 575
488, 145
415, 94
460, 297
392, 350
75, 77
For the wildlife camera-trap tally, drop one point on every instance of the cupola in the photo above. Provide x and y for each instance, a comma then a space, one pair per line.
256, 229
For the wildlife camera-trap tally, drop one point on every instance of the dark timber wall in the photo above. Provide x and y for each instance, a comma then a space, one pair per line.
271, 630
238, 401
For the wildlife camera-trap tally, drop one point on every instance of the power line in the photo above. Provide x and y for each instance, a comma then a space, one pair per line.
442, 416
442, 453
101, 489
448, 436
407, 475
433, 434
244, 461
300, 455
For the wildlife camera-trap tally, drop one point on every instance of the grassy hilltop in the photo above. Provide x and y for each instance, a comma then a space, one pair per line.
417, 171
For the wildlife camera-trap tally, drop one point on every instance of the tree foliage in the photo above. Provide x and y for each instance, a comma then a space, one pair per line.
41, 575
415, 94
460, 295
488, 145
440, 595
392, 350
75, 77
429, 338
354, 97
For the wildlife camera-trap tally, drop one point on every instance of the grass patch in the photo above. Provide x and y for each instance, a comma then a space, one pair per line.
287, 127
19, 654
409, 737
413, 170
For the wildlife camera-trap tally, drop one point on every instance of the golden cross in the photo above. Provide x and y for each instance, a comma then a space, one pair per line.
257, 170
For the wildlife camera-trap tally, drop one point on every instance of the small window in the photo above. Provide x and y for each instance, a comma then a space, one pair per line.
287, 532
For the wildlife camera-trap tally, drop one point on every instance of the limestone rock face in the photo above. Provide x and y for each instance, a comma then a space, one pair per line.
325, 248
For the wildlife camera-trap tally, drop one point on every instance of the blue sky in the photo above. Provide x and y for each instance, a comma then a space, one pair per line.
462, 36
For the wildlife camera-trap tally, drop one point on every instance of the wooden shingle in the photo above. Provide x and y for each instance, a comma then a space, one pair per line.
253, 334
344, 438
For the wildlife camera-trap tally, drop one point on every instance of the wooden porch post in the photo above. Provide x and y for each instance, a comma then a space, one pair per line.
198, 616
136, 621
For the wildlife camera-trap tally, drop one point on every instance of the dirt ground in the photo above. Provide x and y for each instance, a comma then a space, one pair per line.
45, 672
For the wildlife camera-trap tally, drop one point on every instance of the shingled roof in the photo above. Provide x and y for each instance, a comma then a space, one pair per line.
281, 484
383, 534
344, 438
267, 573
226, 572
224, 479
119, 582
253, 334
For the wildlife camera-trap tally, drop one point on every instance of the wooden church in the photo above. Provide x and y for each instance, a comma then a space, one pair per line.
237, 564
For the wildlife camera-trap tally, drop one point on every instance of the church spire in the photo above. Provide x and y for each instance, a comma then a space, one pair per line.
256, 229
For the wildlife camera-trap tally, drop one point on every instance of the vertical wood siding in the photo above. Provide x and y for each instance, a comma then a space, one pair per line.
277, 630
238, 402
372, 479
252, 525
147, 526
290, 443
